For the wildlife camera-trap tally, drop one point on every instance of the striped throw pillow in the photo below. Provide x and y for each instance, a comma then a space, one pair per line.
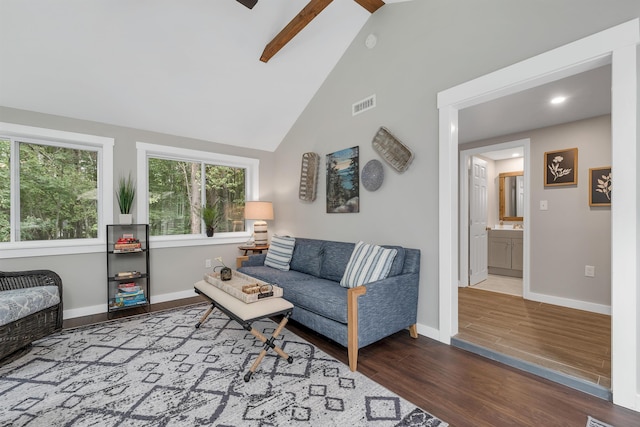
280, 252
368, 263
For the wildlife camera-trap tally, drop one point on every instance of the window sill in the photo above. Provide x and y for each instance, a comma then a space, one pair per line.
51, 248
159, 242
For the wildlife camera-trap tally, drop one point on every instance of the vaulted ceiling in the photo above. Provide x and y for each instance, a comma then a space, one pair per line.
190, 68
193, 68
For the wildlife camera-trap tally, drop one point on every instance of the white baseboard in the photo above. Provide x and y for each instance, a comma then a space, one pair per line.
84, 311
428, 331
173, 296
102, 308
569, 303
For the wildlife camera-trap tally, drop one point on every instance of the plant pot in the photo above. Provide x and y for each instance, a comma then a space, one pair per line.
126, 219
210, 231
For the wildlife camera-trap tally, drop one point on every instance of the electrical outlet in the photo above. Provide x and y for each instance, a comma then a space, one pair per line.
589, 271
207, 263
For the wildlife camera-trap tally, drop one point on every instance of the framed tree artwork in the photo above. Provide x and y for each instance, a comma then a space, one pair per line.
343, 181
561, 167
600, 188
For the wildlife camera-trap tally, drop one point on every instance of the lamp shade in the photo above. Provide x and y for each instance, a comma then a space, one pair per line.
258, 210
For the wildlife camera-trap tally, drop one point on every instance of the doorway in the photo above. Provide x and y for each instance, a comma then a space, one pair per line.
616, 46
519, 147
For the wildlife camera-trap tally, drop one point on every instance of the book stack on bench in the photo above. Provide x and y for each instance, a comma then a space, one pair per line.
243, 287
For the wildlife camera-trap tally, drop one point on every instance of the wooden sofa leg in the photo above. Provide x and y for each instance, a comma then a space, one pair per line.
413, 331
352, 324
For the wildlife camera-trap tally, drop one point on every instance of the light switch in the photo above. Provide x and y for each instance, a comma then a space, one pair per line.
543, 205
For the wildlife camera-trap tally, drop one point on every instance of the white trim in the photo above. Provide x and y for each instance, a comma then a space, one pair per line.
104, 146
173, 296
102, 308
72, 313
625, 354
617, 45
448, 224
428, 331
160, 242
146, 150
570, 303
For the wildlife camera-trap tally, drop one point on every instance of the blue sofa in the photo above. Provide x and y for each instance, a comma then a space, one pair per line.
354, 317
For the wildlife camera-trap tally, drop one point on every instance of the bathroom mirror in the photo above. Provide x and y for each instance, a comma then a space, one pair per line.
512, 196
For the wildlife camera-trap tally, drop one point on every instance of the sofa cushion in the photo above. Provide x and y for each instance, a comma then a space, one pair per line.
398, 261
368, 263
18, 303
279, 253
335, 259
274, 276
320, 296
307, 256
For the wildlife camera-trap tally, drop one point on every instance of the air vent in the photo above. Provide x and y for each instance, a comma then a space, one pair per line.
364, 105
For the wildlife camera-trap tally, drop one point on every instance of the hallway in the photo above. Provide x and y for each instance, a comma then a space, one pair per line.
573, 342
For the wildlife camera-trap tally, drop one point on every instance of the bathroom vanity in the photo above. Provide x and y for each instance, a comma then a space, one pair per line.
505, 252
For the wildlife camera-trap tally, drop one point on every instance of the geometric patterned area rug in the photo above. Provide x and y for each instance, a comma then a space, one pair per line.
159, 370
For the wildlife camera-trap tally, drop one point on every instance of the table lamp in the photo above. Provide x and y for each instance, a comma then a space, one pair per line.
261, 212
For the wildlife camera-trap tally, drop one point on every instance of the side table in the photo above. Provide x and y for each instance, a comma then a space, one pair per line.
255, 249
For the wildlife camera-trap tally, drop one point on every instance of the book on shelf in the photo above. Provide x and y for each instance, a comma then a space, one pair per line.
127, 243
129, 288
127, 275
127, 294
127, 299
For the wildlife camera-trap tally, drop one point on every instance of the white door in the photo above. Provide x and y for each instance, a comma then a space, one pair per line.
478, 221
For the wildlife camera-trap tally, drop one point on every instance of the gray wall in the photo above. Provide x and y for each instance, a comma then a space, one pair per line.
423, 47
172, 269
570, 234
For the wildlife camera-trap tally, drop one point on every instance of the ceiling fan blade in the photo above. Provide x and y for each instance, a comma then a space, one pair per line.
248, 3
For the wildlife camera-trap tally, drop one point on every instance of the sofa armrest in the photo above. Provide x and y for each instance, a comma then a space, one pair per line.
392, 301
379, 309
254, 260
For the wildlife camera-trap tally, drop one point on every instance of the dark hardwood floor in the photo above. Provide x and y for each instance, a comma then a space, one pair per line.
459, 387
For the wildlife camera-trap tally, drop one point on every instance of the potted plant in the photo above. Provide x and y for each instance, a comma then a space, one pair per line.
210, 217
125, 194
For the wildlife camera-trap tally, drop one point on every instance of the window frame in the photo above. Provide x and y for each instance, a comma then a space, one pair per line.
43, 136
166, 152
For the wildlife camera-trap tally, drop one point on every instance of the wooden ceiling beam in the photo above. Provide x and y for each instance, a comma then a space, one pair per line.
370, 5
301, 20
306, 15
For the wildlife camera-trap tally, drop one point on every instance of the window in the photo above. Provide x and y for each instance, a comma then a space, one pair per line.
174, 184
51, 186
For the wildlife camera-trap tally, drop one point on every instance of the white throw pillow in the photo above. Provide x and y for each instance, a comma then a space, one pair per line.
368, 263
280, 252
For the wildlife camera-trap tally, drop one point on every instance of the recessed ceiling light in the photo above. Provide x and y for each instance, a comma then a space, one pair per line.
558, 99
515, 155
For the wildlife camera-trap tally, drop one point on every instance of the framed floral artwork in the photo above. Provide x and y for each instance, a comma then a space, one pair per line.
600, 189
561, 167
